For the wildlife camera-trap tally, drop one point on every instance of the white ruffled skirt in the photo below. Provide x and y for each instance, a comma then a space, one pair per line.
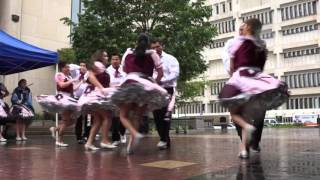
93, 99
59, 103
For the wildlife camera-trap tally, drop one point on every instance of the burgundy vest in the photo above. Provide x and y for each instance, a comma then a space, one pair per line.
145, 66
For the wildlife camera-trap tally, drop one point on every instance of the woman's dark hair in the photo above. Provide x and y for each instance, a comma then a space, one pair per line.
22, 81
61, 65
255, 26
143, 44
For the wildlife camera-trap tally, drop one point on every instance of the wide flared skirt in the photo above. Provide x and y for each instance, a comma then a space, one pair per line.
142, 92
246, 85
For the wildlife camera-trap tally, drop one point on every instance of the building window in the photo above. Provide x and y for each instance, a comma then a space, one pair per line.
314, 7
300, 10
295, 11
223, 7
305, 13
217, 8
230, 6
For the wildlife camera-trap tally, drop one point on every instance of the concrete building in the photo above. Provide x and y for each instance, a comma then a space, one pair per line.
291, 31
38, 24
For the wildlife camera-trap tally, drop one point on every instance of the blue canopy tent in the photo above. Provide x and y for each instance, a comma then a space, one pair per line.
17, 56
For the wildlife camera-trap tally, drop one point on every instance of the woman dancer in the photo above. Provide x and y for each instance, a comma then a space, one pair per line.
62, 103
22, 109
139, 92
248, 82
97, 104
4, 110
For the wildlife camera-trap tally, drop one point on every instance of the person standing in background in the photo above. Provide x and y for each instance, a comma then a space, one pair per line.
22, 109
117, 76
162, 117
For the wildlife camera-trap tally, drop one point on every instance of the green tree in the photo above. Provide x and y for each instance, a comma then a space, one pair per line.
68, 55
114, 25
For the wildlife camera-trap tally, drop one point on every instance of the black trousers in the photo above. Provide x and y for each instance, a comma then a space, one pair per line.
163, 126
257, 117
82, 129
117, 129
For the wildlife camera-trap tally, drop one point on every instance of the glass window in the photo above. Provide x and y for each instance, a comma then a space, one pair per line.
307, 79
217, 8
282, 14
292, 31
306, 28
223, 7
302, 83
311, 104
291, 104
291, 12
311, 79
298, 53
226, 26
288, 31
312, 51
307, 51
311, 27
300, 103
270, 17
300, 10
296, 104
305, 103
304, 80
298, 81
309, 7
230, 6
315, 80
287, 12
314, 7
295, 84
293, 54
295, 11
301, 29
305, 13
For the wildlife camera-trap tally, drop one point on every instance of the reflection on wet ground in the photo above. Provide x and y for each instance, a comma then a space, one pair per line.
286, 154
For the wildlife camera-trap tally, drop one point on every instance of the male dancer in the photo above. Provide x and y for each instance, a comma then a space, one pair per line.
83, 122
162, 116
116, 78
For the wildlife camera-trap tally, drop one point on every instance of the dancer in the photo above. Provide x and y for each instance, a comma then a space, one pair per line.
94, 102
116, 79
22, 109
162, 117
248, 82
4, 111
249, 110
139, 92
82, 127
63, 103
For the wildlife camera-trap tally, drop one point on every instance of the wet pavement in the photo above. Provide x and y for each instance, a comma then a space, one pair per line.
286, 154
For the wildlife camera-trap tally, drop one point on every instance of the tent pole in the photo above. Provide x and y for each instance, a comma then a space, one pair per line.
57, 121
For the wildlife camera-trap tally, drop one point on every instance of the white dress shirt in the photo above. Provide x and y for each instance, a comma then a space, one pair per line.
170, 70
116, 81
81, 84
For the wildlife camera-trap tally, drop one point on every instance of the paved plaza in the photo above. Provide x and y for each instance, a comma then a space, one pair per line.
286, 154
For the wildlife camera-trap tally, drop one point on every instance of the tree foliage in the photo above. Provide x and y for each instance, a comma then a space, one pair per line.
114, 25
67, 55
